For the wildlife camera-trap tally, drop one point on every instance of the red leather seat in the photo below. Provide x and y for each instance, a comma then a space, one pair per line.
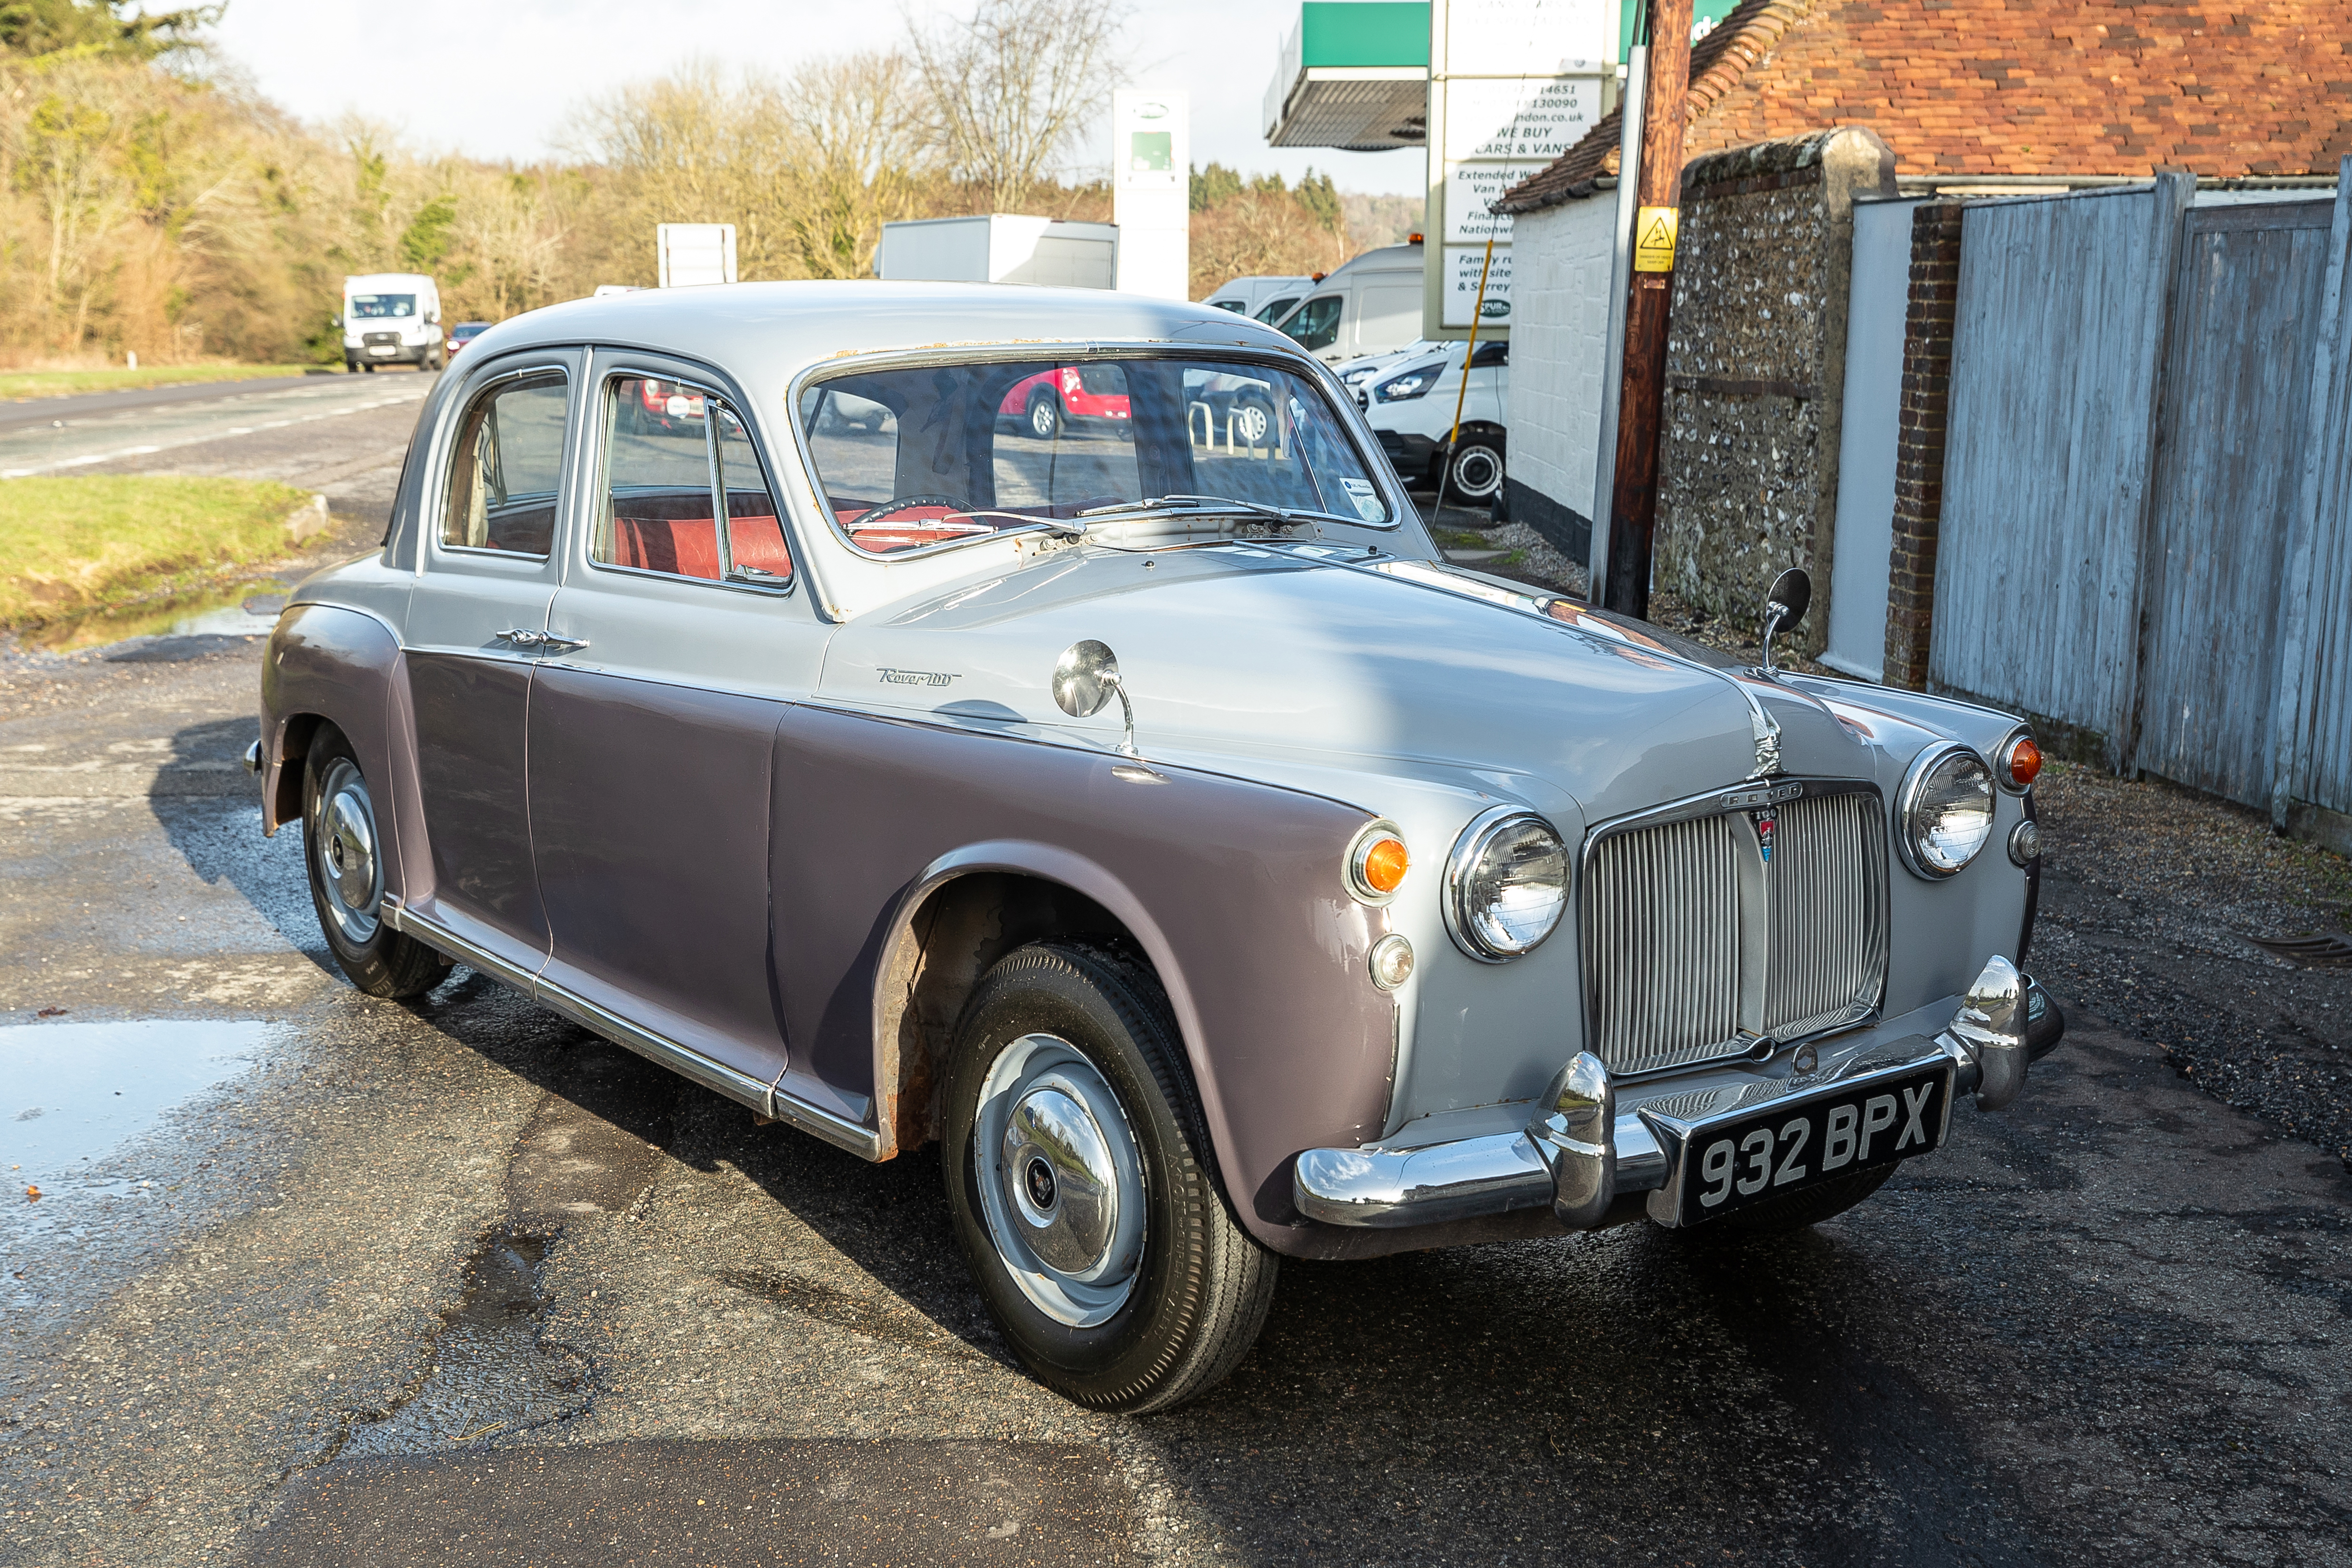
689, 547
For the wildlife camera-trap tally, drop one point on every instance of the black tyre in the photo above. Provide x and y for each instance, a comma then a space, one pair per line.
1477, 471
1045, 414
344, 850
370, 367
1794, 1212
1082, 1187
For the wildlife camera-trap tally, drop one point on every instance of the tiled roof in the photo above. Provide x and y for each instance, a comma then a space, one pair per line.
2016, 86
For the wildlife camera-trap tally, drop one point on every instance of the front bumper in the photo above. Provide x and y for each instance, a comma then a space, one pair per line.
1593, 1143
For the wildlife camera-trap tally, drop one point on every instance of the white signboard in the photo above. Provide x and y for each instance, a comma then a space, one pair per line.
1150, 192
1512, 85
692, 253
1525, 37
1470, 188
1520, 117
1463, 263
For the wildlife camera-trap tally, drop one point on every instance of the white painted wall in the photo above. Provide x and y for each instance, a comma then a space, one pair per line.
1876, 309
1560, 331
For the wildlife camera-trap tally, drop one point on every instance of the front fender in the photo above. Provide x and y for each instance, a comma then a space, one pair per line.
1232, 888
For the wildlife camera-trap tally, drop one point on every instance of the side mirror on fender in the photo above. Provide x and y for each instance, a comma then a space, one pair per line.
1785, 604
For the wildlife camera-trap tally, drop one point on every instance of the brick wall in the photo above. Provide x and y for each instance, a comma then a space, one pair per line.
1756, 370
1560, 330
1919, 445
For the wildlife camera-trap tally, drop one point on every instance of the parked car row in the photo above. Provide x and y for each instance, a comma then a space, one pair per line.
1365, 319
1159, 825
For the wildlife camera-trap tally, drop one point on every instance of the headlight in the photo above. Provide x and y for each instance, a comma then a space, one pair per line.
1412, 383
1945, 812
1505, 884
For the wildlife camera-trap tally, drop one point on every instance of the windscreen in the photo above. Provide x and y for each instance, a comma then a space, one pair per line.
377, 307
929, 454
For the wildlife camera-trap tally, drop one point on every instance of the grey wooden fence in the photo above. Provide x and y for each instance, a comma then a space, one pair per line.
2146, 534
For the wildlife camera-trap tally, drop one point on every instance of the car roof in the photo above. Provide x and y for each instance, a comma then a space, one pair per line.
771, 331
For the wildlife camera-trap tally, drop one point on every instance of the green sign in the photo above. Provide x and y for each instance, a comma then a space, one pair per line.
1152, 152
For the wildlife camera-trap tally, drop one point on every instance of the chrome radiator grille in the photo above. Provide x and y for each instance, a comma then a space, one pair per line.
1698, 938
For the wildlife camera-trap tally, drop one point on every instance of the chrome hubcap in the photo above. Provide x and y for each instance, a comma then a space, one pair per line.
343, 838
1060, 1179
1251, 422
1041, 419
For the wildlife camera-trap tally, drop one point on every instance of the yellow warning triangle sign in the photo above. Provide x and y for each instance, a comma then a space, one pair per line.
1653, 238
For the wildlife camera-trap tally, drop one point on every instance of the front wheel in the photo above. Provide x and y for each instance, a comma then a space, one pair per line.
1080, 1185
345, 852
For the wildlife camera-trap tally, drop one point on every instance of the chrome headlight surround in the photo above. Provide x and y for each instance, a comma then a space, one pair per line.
1487, 831
1923, 776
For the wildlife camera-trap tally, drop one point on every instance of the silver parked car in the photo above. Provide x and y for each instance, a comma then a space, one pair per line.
1140, 808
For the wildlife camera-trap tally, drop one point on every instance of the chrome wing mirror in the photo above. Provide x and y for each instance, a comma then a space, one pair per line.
1085, 678
1785, 605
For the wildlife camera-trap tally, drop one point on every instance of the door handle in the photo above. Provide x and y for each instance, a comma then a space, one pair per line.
524, 637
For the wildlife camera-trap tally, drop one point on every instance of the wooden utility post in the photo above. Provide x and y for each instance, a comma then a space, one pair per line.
1633, 502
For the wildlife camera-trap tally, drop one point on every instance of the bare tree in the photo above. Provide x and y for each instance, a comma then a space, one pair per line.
856, 149
1010, 86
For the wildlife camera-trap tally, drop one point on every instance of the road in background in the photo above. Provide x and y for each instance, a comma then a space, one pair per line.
343, 436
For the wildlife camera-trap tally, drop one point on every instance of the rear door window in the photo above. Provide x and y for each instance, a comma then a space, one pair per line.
671, 450
505, 466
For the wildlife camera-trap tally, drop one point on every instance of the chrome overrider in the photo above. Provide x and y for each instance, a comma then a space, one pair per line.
1592, 1142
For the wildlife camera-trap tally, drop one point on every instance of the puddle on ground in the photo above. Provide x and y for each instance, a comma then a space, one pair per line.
72, 1094
490, 1375
246, 608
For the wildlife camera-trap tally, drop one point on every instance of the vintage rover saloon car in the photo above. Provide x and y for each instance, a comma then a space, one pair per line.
1142, 809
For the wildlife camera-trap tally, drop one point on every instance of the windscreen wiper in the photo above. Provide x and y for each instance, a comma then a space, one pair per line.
1281, 514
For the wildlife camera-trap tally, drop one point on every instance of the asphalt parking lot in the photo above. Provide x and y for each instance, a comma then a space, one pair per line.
452, 1281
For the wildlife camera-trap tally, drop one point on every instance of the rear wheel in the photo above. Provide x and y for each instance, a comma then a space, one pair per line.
1078, 1178
345, 852
370, 367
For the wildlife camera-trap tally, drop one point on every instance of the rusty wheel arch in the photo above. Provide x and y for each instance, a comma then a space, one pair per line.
934, 960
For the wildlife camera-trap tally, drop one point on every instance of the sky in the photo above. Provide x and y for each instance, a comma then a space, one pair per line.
493, 78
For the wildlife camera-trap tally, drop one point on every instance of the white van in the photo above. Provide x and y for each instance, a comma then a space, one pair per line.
1368, 307
1411, 404
392, 318
1255, 295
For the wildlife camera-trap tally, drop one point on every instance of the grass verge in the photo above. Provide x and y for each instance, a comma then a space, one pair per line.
24, 385
75, 544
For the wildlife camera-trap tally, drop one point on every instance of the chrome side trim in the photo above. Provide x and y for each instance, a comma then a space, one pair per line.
759, 1094
434, 935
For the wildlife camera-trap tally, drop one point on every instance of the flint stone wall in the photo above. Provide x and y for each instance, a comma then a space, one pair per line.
1756, 370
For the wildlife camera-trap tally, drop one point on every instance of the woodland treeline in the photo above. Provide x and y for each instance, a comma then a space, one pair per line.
149, 202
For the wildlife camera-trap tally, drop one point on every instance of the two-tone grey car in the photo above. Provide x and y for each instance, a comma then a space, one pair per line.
1146, 813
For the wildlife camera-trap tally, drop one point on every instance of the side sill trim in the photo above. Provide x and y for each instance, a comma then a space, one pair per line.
717, 1077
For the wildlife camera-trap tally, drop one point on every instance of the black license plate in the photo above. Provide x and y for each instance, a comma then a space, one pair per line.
1737, 1162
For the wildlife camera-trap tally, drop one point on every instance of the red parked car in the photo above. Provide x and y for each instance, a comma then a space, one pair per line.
1075, 394
465, 332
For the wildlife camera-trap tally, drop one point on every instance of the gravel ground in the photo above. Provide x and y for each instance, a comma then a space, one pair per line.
2148, 892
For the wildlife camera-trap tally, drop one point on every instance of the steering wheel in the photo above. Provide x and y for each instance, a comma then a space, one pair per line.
903, 503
